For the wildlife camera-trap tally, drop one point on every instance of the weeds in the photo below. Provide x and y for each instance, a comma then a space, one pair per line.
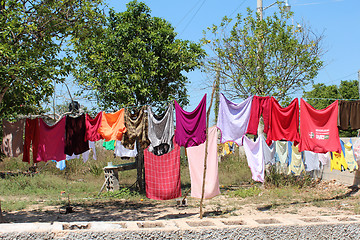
246, 192
275, 179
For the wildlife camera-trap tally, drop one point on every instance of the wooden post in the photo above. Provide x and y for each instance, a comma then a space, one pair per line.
140, 168
2, 220
206, 152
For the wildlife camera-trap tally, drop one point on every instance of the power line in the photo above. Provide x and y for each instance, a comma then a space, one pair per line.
237, 8
341, 78
188, 13
193, 17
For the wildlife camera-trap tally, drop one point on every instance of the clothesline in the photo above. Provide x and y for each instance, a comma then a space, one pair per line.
334, 99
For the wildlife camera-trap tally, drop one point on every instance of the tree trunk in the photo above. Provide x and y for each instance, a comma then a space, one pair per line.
2, 93
1, 216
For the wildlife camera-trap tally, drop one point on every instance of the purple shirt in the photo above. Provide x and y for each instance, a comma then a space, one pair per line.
191, 126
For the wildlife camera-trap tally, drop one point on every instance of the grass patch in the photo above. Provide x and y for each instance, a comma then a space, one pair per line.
246, 192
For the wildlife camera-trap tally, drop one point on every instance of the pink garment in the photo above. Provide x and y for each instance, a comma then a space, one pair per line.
92, 126
196, 157
51, 141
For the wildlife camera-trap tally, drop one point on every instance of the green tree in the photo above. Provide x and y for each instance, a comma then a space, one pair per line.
262, 57
322, 96
32, 38
137, 60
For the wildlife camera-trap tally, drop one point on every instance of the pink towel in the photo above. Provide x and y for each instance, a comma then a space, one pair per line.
196, 157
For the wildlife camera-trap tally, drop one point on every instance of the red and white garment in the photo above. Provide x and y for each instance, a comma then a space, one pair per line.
318, 128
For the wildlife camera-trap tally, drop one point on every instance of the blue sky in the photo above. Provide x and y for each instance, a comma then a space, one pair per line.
338, 20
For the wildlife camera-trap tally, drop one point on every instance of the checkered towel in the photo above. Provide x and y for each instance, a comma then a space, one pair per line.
162, 174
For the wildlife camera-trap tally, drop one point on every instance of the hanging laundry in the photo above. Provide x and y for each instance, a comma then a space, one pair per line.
226, 148
255, 155
31, 138
281, 156
12, 142
109, 145
51, 141
259, 105
136, 128
61, 164
349, 157
162, 174
75, 129
349, 115
233, 119
121, 151
338, 161
296, 164
269, 152
161, 131
311, 161
318, 128
356, 148
191, 126
86, 154
324, 158
112, 125
284, 122
253, 152
92, 127
196, 156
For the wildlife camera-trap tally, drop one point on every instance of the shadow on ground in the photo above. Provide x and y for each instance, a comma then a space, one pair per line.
103, 211
352, 191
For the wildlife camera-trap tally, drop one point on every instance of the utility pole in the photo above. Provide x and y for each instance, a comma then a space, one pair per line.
359, 82
259, 9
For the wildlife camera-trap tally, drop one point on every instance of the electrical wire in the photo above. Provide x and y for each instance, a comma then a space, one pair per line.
237, 8
192, 18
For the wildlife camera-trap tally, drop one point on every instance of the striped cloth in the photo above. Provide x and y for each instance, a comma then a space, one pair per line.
162, 174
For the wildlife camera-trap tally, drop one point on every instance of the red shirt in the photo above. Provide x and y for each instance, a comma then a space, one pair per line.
259, 105
284, 122
318, 128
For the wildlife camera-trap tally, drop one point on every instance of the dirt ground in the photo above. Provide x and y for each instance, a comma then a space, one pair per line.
326, 198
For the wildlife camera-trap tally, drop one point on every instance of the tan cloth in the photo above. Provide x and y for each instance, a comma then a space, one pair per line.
136, 128
112, 125
12, 143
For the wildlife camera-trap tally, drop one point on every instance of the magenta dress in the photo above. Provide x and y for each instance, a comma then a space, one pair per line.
191, 126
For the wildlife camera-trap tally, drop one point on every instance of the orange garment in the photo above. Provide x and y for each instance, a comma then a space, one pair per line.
112, 125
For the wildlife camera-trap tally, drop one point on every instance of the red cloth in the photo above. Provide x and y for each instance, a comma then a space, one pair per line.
51, 141
259, 105
284, 122
31, 137
75, 134
92, 126
318, 128
162, 174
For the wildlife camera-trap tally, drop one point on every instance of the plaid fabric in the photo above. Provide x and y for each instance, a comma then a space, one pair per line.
162, 174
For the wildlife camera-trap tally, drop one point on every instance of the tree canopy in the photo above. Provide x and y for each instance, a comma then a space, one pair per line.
321, 95
136, 60
268, 57
32, 38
